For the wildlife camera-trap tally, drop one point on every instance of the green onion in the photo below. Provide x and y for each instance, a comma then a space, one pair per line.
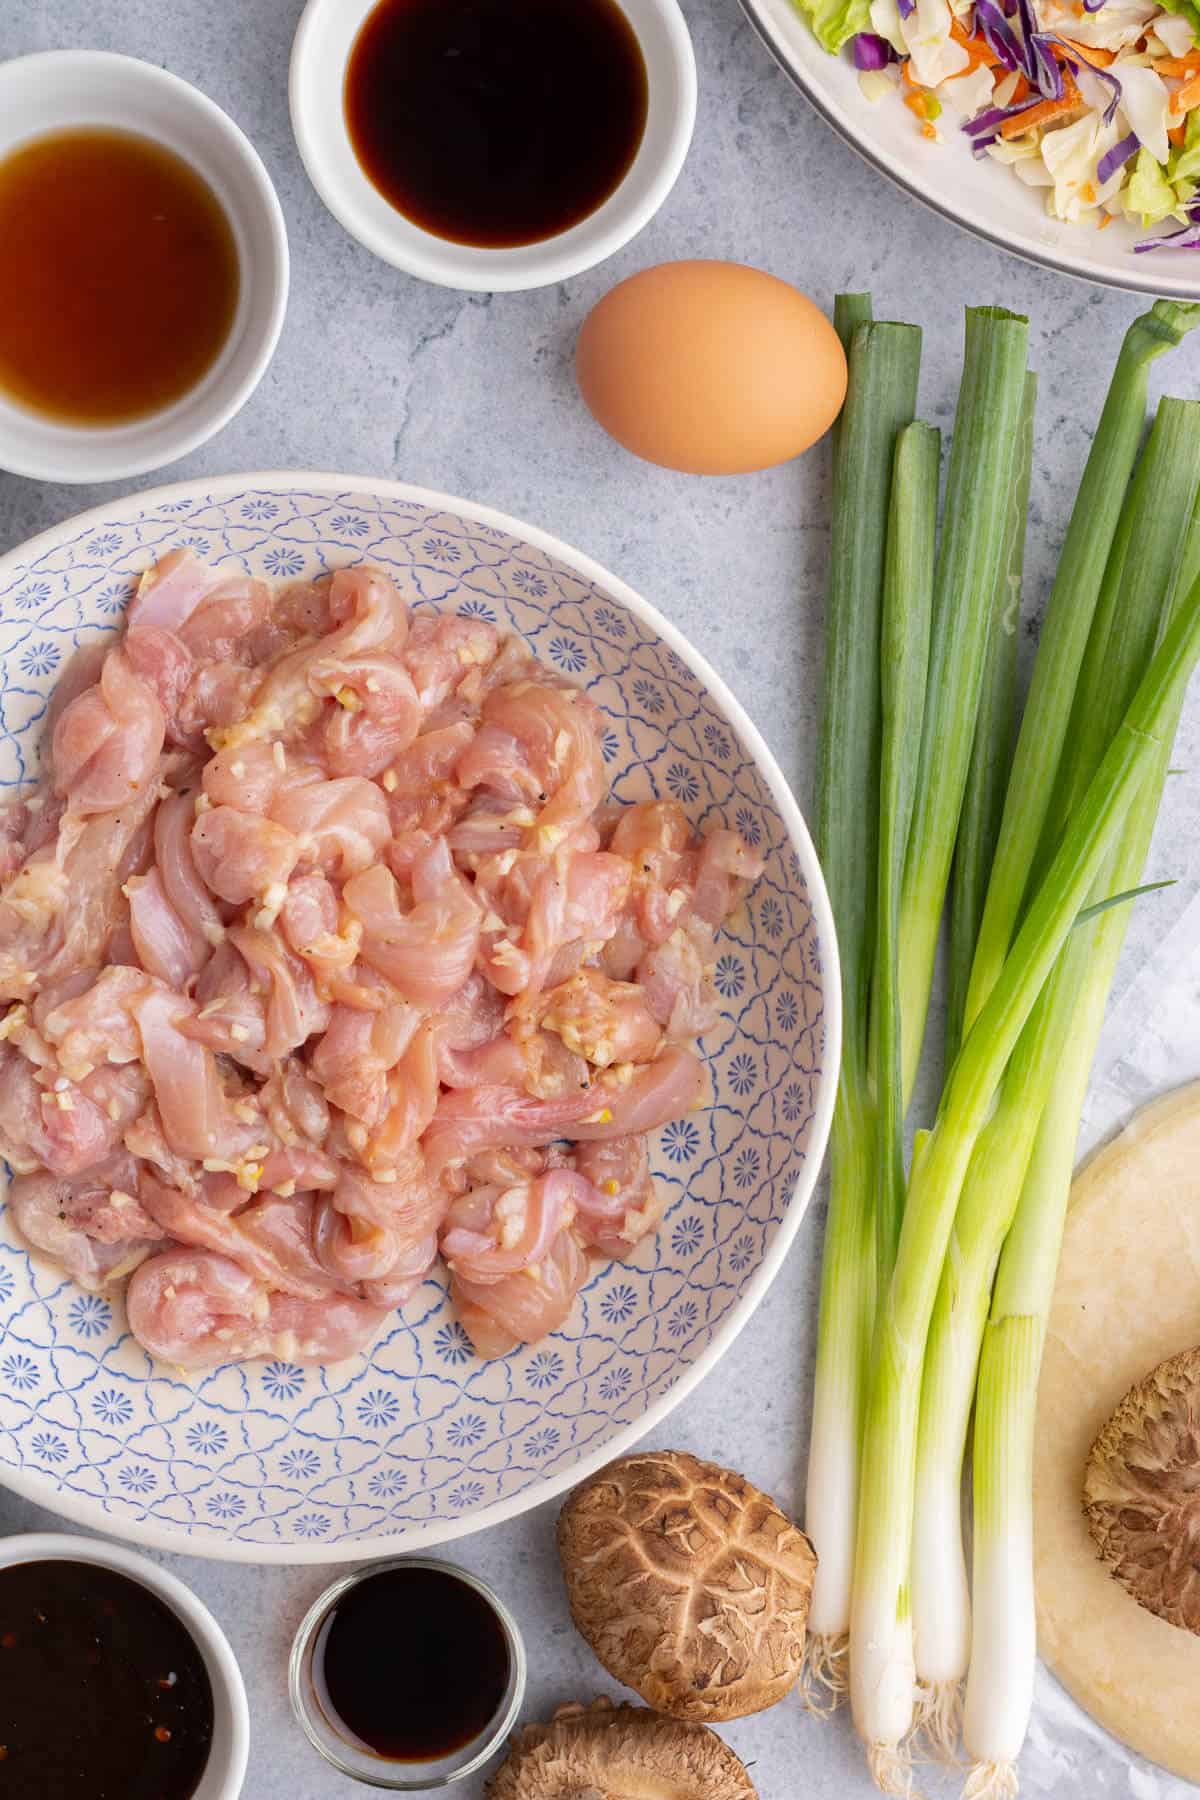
884, 363
904, 669
991, 756
849, 312
1155, 517
1000, 1682
1081, 566
986, 428
881, 1654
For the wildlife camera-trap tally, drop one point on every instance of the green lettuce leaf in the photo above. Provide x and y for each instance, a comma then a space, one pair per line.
834, 22
1184, 162
1149, 192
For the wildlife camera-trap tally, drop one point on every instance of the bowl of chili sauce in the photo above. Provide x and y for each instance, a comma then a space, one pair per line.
114, 1679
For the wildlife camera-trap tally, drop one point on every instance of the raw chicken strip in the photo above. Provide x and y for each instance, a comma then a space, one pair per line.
108, 741
198, 1310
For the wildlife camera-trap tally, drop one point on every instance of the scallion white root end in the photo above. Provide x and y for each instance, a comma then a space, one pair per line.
891, 1770
991, 1781
825, 1672
938, 1724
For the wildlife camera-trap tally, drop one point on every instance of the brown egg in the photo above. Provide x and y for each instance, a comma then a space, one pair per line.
711, 367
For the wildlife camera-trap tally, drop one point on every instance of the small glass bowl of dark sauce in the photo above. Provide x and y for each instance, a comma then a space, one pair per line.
408, 1674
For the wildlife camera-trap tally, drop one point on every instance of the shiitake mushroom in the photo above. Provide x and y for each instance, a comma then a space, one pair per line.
1142, 1491
690, 1585
607, 1752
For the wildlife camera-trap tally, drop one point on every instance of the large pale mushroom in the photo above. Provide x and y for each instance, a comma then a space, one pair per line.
690, 1585
607, 1752
1142, 1491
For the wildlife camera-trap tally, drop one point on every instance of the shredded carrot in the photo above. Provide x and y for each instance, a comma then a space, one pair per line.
976, 47
1021, 92
1043, 114
1177, 133
1087, 194
1178, 65
1088, 53
1104, 221
928, 130
1184, 98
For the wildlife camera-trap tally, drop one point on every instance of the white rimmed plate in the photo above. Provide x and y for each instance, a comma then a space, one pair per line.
984, 197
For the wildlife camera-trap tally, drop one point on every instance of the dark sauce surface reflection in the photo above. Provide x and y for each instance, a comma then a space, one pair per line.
103, 1692
412, 1664
496, 122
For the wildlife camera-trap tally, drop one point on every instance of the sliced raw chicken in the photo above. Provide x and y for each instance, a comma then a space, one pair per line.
325, 963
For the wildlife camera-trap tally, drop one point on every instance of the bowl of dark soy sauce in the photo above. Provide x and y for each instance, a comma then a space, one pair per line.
115, 1682
408, 1674
493, 144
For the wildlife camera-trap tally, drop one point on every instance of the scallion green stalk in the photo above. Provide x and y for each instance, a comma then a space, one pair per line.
904, 670
1065, 632
978, 484
991, 755
884, 363
881, 1653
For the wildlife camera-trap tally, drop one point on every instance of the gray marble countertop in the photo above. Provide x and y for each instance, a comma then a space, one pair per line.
378, 373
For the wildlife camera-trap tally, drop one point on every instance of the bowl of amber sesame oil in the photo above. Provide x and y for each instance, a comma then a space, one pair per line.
146, 267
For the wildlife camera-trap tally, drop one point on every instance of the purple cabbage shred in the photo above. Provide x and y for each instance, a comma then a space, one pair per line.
1028, 53
989, 121
998, 34
1028, 21
1187, 237
1046, 76
871, 52
907, 8
1117, 157
1104, 75
993, 116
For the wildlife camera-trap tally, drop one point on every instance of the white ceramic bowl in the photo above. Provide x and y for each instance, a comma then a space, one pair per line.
984, 197
226, 1768
63, 88
418, 1441
324, 40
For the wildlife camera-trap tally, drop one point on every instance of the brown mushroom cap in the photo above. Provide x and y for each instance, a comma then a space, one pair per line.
1141, 1491
690, 1585
607, 1752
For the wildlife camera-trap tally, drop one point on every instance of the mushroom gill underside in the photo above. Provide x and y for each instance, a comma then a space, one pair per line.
1142, 1491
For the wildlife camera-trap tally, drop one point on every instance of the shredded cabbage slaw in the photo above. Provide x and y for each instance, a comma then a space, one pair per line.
1095, 102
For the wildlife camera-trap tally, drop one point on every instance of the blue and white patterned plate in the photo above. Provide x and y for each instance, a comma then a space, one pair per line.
420, 1441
